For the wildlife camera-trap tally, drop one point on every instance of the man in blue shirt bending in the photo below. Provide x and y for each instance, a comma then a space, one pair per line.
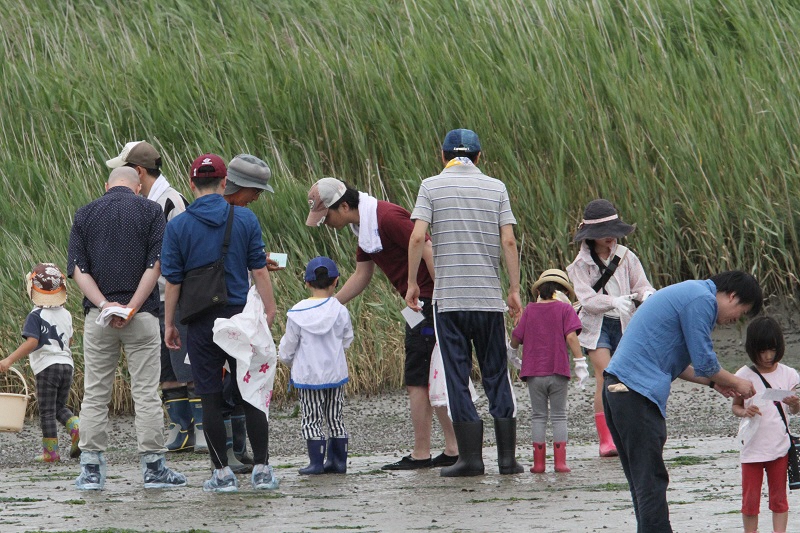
669, 337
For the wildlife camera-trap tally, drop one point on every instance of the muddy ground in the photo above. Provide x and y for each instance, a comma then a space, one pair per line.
701, 453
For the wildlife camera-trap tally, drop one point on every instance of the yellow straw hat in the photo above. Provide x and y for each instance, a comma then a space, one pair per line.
557, 276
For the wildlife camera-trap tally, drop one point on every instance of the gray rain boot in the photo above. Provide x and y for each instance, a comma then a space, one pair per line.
505, 430
180, 433
469, 436
337, 456
200, 445
316, 455
237, 466
240, 437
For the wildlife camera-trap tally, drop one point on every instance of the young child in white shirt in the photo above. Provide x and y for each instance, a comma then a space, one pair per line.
318, 330
48, 336
767, 449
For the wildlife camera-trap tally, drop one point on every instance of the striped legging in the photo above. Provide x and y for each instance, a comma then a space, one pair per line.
316, 403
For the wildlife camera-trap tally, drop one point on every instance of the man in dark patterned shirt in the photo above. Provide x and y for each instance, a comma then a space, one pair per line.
114, 257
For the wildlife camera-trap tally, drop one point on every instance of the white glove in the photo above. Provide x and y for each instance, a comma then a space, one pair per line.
625, 304
647, 295
581, 371
513, 356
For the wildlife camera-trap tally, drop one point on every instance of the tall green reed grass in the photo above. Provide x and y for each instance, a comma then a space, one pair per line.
685, 114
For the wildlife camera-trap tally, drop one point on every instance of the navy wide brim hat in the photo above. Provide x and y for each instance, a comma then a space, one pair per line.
601, 221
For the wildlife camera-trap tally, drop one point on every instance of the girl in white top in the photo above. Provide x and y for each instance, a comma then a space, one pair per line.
605, 311
767, 449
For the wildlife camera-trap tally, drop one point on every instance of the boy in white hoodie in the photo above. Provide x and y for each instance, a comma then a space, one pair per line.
318, 330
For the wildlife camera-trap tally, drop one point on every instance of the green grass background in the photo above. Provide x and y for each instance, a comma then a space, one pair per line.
684, 113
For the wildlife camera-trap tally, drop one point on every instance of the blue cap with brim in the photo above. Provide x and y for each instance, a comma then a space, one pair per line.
461, 140
318, 262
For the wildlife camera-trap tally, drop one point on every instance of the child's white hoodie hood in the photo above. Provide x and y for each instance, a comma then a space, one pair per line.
317, 333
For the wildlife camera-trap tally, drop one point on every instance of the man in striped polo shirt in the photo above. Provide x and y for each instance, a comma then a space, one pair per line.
471, 225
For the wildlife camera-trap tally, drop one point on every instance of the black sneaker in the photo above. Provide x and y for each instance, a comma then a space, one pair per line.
443, 460
408, 463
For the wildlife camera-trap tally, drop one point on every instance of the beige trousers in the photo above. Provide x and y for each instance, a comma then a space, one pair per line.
141, 341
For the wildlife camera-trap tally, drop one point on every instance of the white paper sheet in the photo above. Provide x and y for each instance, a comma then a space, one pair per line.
776, 395
279, 258
412, 317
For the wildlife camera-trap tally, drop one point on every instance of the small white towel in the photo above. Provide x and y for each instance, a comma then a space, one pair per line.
367, 229
105, 316
158, 188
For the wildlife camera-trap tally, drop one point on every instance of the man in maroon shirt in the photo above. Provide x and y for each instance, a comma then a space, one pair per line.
383, 231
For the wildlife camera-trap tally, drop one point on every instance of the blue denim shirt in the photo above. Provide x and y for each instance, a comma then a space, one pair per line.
670, 331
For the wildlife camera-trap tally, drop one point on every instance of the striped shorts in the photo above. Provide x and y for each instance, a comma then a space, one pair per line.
319, 403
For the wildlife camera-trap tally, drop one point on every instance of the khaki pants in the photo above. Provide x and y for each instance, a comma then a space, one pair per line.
141, 340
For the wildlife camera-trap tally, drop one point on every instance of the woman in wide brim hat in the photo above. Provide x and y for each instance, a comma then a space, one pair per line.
605, 311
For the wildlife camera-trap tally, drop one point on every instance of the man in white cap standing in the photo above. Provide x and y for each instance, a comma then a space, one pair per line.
383, 231
183, 409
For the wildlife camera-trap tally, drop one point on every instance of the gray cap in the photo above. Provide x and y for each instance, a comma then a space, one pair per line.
247, 170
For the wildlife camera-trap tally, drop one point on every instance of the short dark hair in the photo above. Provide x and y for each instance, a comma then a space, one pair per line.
206, 183
743, 285
323, 281
350, 197
546, 290
155, 172
473, 156
764, 333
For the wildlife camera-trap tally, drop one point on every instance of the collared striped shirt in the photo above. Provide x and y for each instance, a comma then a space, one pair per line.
465, 210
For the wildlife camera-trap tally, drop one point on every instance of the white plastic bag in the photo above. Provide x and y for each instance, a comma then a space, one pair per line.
246, 338
748, 427
437, 386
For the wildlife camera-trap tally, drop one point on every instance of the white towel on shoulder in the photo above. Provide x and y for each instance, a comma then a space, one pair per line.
158, 188
367, 229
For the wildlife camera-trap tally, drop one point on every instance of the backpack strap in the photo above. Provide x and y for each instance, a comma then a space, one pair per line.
606, 271
777, 404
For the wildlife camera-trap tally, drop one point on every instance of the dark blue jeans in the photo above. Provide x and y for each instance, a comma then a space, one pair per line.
457, 332
639, 432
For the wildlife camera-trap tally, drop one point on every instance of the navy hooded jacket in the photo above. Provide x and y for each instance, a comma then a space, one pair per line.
194, 239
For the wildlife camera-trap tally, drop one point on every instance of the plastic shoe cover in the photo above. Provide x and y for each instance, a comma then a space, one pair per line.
93, 471
157, 475
222, 480
264, 478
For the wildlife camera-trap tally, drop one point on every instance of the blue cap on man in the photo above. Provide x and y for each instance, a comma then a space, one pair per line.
461, 140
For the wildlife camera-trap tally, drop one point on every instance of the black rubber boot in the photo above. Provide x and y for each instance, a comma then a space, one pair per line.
316, 456
469, 436
337, 456
240, 437
200, 445
505, 430
237, 466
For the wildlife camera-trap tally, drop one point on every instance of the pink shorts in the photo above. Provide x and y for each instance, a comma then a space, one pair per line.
753, 477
